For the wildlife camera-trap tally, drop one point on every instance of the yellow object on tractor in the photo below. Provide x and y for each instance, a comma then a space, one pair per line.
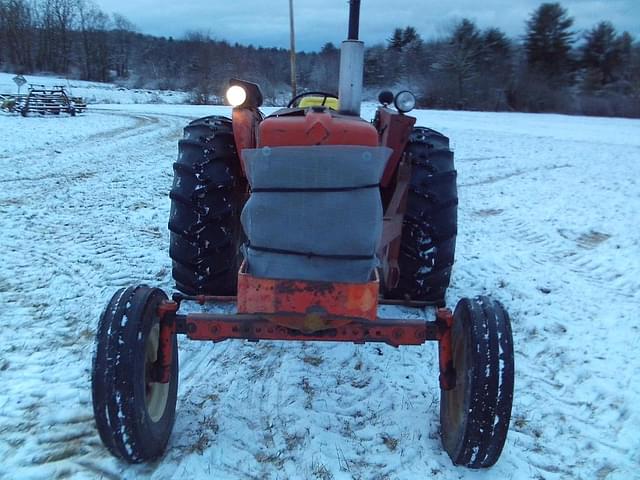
319, 101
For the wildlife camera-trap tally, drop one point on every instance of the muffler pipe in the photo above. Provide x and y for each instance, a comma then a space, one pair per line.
354, 19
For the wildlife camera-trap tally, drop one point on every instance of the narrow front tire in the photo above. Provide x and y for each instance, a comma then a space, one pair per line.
134, 413
475, 414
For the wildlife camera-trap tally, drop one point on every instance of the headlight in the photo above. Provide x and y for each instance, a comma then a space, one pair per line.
242, 94
405, 101
385, 97
236, 95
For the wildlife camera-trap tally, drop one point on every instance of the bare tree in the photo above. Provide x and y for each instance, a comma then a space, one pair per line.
56, 22
95, 51
122, 37
16, 20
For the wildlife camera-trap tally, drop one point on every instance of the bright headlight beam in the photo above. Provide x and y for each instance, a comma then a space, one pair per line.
236, 95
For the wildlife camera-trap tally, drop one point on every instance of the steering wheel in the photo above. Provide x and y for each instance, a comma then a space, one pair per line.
295, 100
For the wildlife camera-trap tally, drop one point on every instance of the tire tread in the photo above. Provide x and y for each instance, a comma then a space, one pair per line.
204, 224
429, 233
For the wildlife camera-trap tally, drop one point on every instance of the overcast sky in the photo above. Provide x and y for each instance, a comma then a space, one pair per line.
266, 22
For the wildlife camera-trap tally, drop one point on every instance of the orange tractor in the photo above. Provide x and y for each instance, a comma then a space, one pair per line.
307, 220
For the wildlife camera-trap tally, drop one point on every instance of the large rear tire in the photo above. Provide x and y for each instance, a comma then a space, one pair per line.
475, 415
431, 221
134, 414
206, 200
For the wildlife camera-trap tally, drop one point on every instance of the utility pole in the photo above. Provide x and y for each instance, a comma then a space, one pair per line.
293, 51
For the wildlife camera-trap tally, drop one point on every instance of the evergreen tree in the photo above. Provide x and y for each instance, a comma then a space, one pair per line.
409, 36
496, 68
462, 56
602, 53
396, 42
626, 50
374, 66
548, 41
402, 38
329, 49
496, 45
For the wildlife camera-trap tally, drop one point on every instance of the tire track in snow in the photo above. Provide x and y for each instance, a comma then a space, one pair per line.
507, 176
590, 261
558, 268
66, 243
302, 410
141, 122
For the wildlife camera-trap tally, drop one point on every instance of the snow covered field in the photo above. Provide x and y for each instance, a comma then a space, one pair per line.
94, 92
549, 212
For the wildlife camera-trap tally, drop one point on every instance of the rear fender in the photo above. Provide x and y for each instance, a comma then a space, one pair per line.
394, 129
245, 130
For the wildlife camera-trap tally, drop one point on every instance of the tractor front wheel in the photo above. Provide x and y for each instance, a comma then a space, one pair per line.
134, 412
475, 414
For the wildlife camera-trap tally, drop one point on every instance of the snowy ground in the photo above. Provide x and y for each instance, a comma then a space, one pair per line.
549, 210
94, 92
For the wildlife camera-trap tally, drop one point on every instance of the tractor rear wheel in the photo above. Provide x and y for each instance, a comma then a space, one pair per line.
475, 415
206, 200
431, 220
133, 412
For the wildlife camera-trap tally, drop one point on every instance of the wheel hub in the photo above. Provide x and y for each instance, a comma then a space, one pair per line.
155, 393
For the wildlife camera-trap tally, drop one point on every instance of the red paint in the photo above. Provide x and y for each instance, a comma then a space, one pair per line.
316, 128
220, 327
305, 305
444, 318
245, 130
389, 250
166, 311
395, 130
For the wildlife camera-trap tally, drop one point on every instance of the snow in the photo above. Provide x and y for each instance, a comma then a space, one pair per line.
549, 207
94, 92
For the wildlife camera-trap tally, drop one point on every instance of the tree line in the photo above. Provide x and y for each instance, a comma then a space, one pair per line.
75, 38
552, 68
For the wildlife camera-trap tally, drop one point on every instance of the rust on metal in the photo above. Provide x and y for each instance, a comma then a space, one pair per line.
307, 305
394, 129
393, 220
315, 128
245, 123
254, 327
444, 320
167, 308
408, 302
162, 368
204, 299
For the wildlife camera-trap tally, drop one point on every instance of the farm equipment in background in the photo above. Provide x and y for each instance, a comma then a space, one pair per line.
43, 100
308, 220
7, 103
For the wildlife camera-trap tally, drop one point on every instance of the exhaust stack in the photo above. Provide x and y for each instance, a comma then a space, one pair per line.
351, 65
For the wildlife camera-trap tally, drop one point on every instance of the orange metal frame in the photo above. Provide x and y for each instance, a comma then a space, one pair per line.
307, 306
273, 309
277, 309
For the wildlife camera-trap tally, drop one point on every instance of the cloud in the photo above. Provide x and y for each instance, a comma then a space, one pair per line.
266, 23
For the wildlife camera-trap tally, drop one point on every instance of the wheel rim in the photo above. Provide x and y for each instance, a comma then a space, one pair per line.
457, 401
155, 393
